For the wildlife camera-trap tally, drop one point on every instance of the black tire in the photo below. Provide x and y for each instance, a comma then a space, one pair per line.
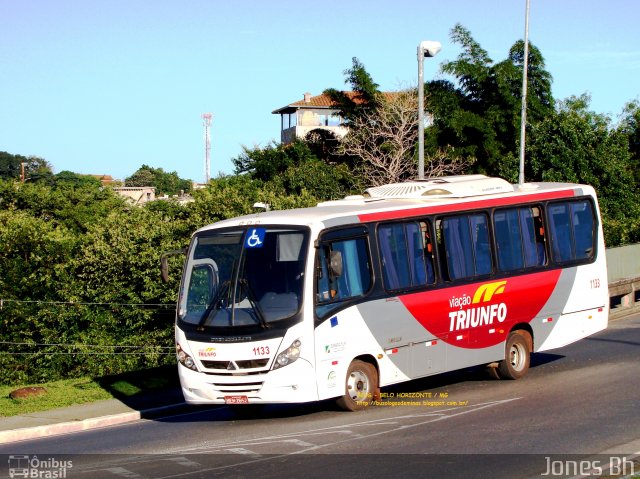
361, 386
517, 356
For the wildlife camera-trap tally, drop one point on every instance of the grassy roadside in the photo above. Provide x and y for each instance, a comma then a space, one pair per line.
83, 390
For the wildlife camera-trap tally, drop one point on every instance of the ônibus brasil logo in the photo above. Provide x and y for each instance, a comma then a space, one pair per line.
467, 316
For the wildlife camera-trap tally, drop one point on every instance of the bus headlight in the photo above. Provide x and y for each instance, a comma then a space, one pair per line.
184, 359
288, 356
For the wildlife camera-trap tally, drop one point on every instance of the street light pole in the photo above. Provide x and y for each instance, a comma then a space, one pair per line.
425, 49
523, 114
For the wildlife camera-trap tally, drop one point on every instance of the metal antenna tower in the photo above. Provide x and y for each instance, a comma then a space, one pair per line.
206, 122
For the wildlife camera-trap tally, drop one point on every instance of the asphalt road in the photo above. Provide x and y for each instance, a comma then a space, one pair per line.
576, 411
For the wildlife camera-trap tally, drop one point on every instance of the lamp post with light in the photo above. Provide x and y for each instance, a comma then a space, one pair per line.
426, 48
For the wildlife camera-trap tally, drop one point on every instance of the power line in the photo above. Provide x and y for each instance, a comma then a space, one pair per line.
75, 345
84, 303
78, 347
83, 353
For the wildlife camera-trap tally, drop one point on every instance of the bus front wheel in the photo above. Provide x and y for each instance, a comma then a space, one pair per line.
361, 386
517, 356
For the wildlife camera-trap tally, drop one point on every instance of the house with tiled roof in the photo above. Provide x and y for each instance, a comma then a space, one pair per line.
311, 113
318, 112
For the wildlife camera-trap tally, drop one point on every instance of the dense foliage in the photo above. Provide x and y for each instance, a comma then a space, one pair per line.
79, 280
296, 168
22, 167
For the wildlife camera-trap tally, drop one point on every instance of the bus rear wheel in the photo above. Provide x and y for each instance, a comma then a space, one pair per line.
361, 386
517, 356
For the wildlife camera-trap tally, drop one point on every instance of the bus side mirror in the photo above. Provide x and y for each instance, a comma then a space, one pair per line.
335, 263
164, 262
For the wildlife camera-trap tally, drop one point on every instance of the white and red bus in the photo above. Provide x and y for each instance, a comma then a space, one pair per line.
405, 281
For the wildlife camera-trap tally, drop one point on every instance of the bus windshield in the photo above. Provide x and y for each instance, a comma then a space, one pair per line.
248, 276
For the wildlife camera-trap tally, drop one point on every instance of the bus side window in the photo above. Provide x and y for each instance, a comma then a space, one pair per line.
559, 220
480, 241
519, 244
464, 242
406, 255
583, 226
572, 230
532, 236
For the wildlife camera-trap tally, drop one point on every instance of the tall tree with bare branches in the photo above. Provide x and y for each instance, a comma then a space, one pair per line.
385, 139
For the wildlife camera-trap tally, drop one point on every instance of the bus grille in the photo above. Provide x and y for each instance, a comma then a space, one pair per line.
230, 367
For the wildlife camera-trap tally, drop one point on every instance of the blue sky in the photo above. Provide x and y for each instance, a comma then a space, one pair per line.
104, 86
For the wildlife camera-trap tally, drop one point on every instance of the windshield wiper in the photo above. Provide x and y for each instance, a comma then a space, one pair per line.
256, 306
222, 289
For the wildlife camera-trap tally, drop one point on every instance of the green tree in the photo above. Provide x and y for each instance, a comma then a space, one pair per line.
478, 114
630, 127
294, 168
364, 95
319, 180
578, 145
144, 176
64, 201
117, 267
267, 163
34, 257
69, 178
35, 168
165, 183
231, 196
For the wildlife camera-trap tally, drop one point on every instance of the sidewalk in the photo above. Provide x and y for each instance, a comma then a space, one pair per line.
87, 416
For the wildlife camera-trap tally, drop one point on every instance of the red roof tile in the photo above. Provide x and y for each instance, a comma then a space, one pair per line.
320, 101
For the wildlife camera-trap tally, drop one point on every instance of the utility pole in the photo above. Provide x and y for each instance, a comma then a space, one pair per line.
206, 121
523, 116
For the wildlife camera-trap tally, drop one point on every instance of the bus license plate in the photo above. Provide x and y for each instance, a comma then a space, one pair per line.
236, 400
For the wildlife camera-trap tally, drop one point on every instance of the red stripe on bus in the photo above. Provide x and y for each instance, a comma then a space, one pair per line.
463, 206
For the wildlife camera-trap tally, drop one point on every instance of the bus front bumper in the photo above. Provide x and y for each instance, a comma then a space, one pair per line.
293, 383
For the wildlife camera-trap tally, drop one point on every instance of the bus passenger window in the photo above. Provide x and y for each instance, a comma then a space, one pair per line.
519, 238
559, 220
583, 225
572, 230
405, 251
508, 240
481, 244
464, 240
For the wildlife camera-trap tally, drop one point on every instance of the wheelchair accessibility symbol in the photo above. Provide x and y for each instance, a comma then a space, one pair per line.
255, 238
